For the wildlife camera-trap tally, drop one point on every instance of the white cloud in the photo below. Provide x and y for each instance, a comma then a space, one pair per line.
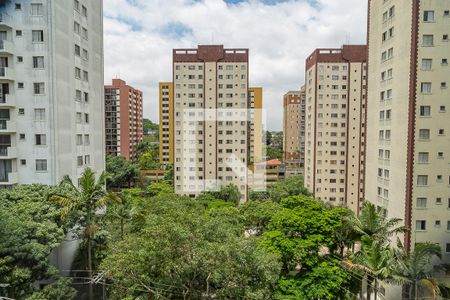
138, 41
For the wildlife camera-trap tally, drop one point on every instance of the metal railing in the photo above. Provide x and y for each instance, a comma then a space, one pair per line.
4, 150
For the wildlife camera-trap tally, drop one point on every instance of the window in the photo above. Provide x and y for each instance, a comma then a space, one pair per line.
38, 88
20, 85
443, 85
87, 159
448, 225
86, 97
425, 111
84, 11
424, 134
78, 95
41, 139
428, 16
425, 88
445, 37
428, 40
85, 76
421, 225
86, 118
18, 6
18, 33
79, 161
41, 165
77, 50
426, 64
19, 59
39, 114
421, 203
79, 139
77, 73
447, 248
37, 9
76, 5
84, 33
76, 27
441, 132
424, 157
79, 117
23, 162
22, 136
387, 135
422, 180
444, 62
87, 140
38, 62
85, 55
37, 36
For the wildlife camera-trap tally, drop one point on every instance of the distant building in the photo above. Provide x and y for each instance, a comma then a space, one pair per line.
265, 174
255, 95
166, 125
51, 91
294, 131
124, 121
335, 124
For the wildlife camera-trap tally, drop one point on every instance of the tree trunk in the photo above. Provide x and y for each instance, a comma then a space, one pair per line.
375, 292
91, 287
416, 290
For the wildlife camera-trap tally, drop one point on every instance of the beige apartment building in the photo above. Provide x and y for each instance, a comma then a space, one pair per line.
335, 124
294, 130
211, 119
408, 158
166, 122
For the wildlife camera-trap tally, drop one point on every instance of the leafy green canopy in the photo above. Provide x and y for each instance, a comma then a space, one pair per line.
176, 248
30, 229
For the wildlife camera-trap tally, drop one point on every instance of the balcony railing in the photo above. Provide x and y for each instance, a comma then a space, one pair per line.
4, 151
3, 125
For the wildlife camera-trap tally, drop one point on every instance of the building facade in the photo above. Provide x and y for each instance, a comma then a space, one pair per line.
124, 121
256, 115
335, 124
211, 122
408, 163
294, 130
51, 90
266, 173
166, 123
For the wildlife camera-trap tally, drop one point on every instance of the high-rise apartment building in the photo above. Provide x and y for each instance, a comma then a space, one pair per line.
124, 123
408, 121
211, 121
166, 124
294, 129
51, 90
255, 112
335, 124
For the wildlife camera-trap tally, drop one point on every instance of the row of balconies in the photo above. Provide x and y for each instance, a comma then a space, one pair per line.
7, 74
8, 152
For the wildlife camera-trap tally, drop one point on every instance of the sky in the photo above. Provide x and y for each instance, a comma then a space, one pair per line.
280, 34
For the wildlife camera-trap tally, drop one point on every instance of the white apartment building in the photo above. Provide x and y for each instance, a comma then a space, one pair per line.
51, 90
211, 146
408, 121
335, 125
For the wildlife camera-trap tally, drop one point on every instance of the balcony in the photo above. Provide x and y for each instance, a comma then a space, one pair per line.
9, 179
7, 74
6, 47
8, 152
7, 100
7, 126
5, 21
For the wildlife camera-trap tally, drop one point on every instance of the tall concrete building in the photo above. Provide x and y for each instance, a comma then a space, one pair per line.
124, 122
408, 121
211, 119
166, 124
256, 123
294, 129
51, 90
335, 124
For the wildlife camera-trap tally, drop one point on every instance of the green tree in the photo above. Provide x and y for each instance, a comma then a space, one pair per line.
291, 186
229, 193
120, 171
83, 205
258, 214
168, 174
416, 270
159, 188
148, 162
30, 229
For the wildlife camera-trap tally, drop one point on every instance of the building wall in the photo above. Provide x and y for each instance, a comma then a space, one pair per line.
411, 154
335, 100
294, 128
68, 106
125, 116
166, 124
256, 124
211, 130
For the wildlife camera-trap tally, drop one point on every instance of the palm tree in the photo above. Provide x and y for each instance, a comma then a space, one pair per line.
415, 268
83, 203
373, 224
376, 262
